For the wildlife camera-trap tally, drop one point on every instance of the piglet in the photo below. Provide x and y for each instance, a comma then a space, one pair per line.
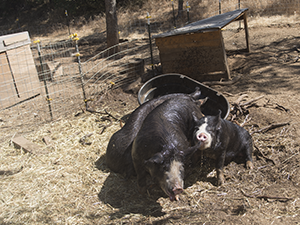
223, 141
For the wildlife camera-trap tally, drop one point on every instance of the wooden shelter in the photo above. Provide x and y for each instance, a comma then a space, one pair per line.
18, 76
197, 49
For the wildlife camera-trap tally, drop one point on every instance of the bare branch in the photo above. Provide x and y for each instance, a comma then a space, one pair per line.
252, 101
266, 196
270, 127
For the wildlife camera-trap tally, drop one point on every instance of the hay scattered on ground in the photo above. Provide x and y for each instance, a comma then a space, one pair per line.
70, 184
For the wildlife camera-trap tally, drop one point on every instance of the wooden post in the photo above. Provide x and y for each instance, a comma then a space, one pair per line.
44, 79
246, 31
173, 15
112, 29
150, 40
227, 71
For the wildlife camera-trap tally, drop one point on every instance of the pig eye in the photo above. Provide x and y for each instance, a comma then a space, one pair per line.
182, 173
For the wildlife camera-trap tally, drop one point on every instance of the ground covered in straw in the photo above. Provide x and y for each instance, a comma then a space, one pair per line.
69, 182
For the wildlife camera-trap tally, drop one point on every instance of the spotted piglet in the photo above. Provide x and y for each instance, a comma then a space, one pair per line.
223, 141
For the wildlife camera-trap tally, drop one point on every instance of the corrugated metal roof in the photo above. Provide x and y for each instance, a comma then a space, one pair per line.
212, 23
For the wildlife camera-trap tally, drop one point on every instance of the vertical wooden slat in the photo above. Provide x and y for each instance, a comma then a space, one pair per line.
7, 89
24, 71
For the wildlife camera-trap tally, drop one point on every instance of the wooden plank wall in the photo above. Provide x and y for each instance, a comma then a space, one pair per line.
200, 56
24, 71
18, 75
7, 88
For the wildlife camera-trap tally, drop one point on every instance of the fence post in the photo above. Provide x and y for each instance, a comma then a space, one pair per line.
188, 11
75, 38
173, 14
150, 41
220, 7
17, 20
68, 23
44, 77
239, 4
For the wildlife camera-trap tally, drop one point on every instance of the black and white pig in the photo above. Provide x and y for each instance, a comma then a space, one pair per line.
223, 141
164, 143
118, 152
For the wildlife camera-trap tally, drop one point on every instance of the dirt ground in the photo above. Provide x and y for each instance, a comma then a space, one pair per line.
269, 193
72, 184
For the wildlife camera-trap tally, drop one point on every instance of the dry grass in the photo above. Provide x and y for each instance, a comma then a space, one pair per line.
65, 187
132, 20
56, 187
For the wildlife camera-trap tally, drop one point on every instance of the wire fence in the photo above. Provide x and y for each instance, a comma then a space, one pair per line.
52, 81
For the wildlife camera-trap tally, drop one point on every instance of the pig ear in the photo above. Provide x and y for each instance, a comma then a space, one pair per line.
195, 118
196, 94
220, 113
156, 159
203, 100
219, 120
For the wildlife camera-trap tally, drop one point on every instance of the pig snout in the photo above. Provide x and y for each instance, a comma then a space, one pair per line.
174, 192
177, 191
174, 182
203, 136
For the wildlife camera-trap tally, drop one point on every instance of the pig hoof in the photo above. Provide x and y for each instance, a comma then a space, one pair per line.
249, 165
220, 177
174, 198
174, 194
221, 181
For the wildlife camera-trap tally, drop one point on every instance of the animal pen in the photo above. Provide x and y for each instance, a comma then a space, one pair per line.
66, 181
58, 83
46, 81
55, 82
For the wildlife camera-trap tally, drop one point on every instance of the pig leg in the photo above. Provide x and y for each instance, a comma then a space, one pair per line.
219, 167
142, 187
248, 153
141, 178
220, 177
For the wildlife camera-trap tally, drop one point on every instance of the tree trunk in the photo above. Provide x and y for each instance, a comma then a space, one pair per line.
112, 31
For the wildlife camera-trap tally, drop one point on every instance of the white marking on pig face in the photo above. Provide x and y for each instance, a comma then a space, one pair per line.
203, 135
173, 185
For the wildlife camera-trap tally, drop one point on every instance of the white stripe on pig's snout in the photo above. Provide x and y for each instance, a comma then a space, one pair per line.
174, 179
204, 136
173, 175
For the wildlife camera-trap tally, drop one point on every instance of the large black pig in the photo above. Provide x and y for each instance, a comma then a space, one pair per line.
163, 144
118, 152
223, 141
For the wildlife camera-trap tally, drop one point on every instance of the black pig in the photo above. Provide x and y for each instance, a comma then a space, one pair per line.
223, 141
118, 152
163, 144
